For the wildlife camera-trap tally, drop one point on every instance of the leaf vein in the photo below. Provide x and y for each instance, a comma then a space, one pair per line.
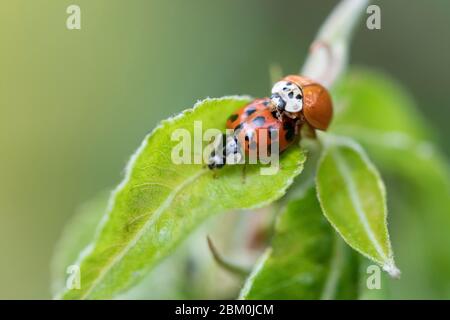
355, 200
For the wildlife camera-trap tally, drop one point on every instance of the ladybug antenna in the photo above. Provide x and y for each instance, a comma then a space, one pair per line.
331, 61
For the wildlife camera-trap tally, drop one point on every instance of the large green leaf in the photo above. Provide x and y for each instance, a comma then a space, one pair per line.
159, 203
307, 259
377, 111
352, 196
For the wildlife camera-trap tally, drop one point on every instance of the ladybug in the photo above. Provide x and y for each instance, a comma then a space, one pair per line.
295, 101
301, 98
257, 119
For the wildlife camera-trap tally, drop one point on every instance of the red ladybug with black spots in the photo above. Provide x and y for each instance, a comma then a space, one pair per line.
258, 121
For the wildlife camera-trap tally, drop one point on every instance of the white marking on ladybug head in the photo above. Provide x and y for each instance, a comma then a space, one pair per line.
287, 96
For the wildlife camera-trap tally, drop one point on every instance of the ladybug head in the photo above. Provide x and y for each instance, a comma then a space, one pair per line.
287, 96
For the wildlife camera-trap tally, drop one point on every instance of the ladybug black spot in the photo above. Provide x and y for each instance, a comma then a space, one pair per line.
259, 121
233, 117
299, 97
291, 95
250, 111
238, 127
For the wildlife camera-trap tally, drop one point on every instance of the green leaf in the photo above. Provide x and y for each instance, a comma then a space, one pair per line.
159, 203
352, 197
379, 113
307, 259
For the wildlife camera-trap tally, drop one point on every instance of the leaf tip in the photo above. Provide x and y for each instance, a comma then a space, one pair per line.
392, 270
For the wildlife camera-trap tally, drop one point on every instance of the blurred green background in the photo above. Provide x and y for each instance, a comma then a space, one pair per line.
75, 104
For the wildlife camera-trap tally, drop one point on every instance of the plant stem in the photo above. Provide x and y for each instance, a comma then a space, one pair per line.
227, 265
329, 52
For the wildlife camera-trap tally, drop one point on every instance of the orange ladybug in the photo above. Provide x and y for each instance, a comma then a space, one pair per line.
302, 98
295, 100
